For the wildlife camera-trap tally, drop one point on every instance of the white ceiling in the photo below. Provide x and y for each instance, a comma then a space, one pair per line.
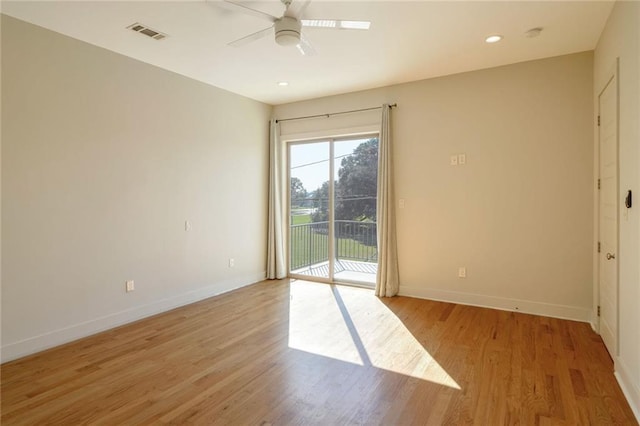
407, 41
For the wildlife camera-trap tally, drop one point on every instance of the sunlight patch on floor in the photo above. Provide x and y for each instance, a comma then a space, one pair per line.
316, 324
352, 325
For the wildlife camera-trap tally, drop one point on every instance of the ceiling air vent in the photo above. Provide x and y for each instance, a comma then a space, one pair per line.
143, 29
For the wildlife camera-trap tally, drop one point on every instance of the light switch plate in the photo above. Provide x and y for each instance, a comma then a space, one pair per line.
462, 159
462, 272
454, 160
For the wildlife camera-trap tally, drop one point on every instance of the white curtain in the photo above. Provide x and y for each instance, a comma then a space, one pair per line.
387, 279
275, 250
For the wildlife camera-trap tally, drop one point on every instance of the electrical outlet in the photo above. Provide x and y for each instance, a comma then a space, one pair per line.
130, 286
232, 262
401, 203
462, 272
453, 160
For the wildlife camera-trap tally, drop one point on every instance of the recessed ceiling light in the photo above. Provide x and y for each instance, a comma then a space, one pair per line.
283, 83
493, 38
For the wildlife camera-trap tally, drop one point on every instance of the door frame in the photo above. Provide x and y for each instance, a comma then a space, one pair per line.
611, 75
331, 237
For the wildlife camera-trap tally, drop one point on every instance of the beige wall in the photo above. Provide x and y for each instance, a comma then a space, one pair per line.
103, 160
621, 39
0, 183
519, 214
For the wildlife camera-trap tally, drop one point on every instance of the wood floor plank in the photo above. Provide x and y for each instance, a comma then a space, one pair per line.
294, 352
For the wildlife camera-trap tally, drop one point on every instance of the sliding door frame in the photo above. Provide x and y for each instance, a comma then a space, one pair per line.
331, 206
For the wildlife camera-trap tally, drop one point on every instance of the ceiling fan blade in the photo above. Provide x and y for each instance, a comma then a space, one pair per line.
251, 37
298, 11
305, 47
336, 24
239, 7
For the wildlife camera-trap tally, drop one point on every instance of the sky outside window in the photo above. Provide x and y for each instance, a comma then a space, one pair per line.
310, 162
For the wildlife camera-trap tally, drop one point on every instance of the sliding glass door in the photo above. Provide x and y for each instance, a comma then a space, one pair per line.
332, 209
309, 172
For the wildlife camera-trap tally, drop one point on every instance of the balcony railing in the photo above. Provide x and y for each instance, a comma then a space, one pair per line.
354, 240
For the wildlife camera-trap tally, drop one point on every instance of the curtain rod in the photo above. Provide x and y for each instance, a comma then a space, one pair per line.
334, 113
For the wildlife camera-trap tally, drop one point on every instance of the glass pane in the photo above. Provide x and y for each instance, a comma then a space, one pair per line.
356, 180
309, 209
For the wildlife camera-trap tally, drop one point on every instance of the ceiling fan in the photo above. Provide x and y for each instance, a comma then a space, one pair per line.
288, 27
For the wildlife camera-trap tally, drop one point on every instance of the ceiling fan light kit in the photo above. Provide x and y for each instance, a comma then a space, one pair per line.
287, 31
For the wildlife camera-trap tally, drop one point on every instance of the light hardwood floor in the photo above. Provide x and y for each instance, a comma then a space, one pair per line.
305, 353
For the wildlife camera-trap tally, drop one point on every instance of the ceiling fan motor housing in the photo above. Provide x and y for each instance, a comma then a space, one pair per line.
287, 30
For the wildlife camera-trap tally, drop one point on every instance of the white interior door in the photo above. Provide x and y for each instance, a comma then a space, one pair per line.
608, 215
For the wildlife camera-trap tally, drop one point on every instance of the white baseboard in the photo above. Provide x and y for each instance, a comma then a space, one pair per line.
574, 313
58, 337
630, 389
